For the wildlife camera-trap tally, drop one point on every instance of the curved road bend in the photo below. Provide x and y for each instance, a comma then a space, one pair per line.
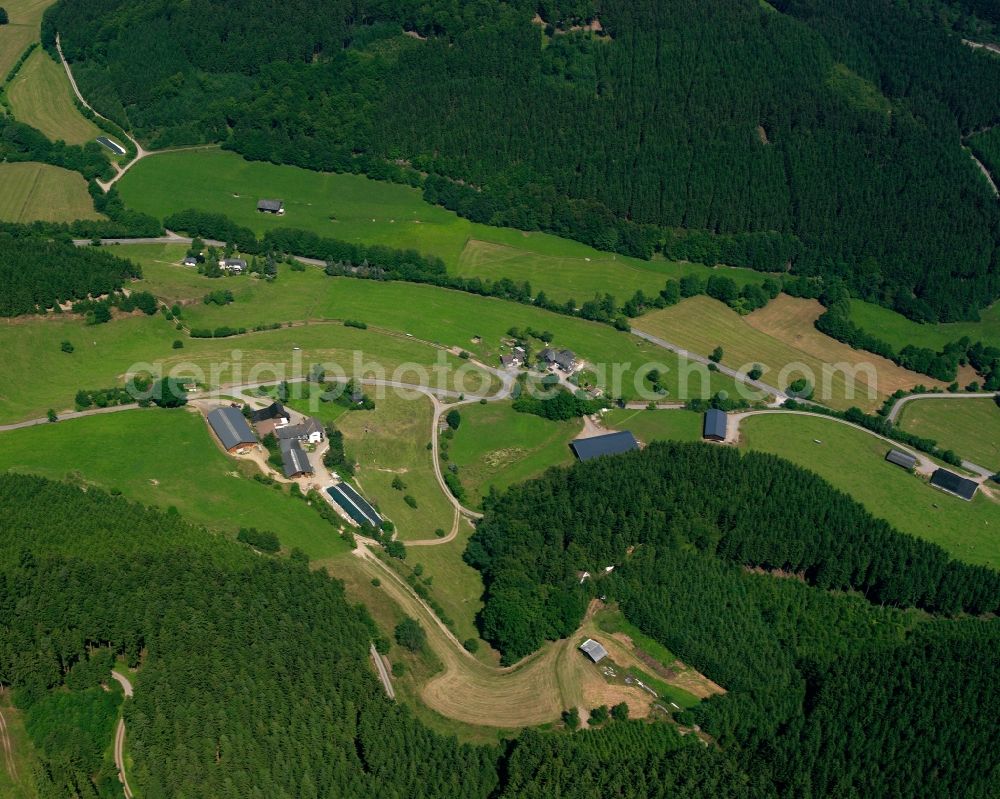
140, 153
120, 736
897, 406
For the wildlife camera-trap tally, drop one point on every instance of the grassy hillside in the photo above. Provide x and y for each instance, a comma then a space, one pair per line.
495, 447
22, 30
854, 462
41, 192
104, 354
900, 331
971, 427
41, 96
700, 324
354, 208
451, 318
389, 442
169, 459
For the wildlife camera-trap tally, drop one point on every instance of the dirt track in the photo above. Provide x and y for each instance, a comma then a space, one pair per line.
536, 690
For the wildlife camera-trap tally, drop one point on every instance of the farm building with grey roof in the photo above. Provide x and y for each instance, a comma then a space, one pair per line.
294, 461
231, 429
716, 425
954, 484
900, 458
609, 444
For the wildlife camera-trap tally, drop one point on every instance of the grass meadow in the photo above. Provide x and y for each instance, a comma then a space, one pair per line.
786, 350
900, 331
390, 442
357, 209
854, 462
41, 96
970, 427
41, 376
495, 447
22, 30
658, 425
450, 318
33, 191
168, 458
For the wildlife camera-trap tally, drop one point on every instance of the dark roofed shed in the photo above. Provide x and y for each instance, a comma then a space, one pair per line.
610, 444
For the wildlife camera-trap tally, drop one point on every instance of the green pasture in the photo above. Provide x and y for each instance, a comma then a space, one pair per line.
657, 425
495, 447
41, 96
168, 459
41, 376
22, 30
854, 462
389, 442
970, 427
39, 192
357, 209
900, 331
455, 584
450, 318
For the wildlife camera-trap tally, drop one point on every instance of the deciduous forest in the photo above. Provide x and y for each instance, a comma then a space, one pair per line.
830, 129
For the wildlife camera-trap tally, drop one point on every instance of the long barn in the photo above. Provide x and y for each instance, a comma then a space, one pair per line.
354, 505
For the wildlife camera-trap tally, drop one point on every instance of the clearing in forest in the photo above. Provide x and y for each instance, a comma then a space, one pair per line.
40, 96
39, 192
532, 692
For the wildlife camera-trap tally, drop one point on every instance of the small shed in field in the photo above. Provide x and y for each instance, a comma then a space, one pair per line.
271, 206
594, 650
904, 459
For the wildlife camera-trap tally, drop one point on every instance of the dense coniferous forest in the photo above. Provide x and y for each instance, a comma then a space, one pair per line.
36, 273
831, 130
830, 693
253, 679
253, 682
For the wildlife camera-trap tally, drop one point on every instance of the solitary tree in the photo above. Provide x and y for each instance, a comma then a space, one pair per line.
716, 355
454, 419
168, 393
411, 635
620, 712
4, 19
